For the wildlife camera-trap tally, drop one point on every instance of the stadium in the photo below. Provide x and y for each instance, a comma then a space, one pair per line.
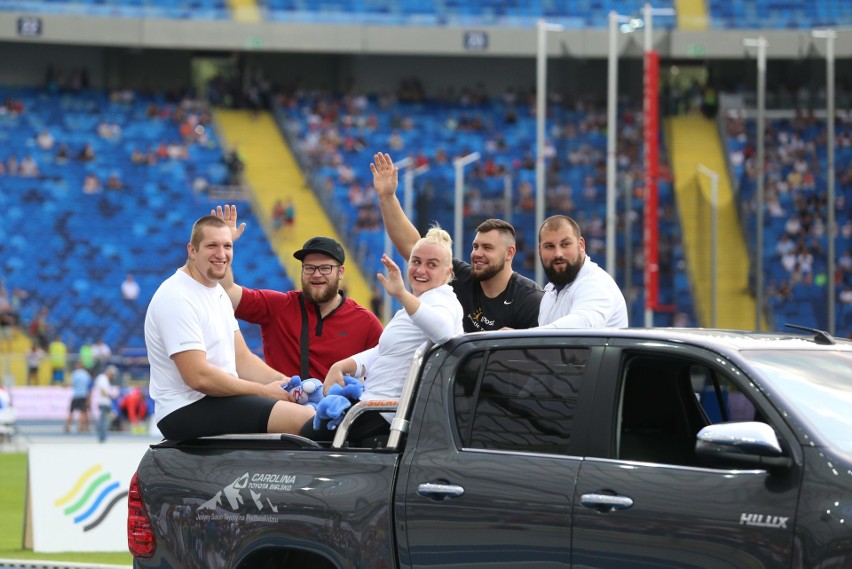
704, 146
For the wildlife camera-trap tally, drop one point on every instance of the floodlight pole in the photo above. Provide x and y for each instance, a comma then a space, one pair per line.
458, 230
541, 117
830, 36
611, 144
760, 43
408, 192
507, 197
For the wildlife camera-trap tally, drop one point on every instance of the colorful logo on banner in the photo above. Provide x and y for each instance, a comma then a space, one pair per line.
91, 498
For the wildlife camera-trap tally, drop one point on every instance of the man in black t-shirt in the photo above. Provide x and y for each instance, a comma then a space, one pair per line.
492, 295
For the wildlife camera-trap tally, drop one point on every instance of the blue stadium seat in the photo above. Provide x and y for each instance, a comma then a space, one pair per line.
435, 189
71, 250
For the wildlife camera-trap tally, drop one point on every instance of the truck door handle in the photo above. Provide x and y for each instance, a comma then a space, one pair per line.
439, 491
606, 502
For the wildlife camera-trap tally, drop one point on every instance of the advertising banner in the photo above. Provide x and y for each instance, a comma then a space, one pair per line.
40, 402
78, 495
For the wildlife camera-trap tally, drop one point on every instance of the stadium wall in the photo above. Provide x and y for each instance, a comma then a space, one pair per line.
399, 40
26, 64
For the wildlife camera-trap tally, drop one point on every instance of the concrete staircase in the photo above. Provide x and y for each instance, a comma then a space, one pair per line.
273, 173
694, 140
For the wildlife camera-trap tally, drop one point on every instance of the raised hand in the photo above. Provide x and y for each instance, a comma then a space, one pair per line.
228, 213
393, 283
385, 175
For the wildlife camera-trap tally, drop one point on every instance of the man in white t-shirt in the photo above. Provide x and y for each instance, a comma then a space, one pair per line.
103, 393
204, 379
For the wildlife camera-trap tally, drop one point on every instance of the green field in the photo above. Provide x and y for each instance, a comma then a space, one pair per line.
13, 474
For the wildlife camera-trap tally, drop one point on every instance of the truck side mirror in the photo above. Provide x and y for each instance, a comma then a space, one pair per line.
749, 444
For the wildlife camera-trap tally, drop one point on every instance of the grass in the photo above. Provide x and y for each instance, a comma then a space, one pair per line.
13, 484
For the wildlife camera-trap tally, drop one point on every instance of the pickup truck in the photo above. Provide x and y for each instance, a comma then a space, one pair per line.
538, 449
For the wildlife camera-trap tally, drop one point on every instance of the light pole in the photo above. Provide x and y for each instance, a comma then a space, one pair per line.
829, 37
541, 118
611, 146
507, 197
627, 25
408, 188
458, 235
760, 43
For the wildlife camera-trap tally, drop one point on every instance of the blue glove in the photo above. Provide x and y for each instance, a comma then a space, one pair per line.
339, 399
331, 409
352, 389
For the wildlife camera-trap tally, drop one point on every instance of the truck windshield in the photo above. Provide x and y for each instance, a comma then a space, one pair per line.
818, 385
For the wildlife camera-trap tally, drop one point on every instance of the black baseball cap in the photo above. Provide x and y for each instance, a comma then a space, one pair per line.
323, 245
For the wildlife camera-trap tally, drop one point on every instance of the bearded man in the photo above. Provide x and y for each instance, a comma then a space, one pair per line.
493, 296
305, 331
579, 293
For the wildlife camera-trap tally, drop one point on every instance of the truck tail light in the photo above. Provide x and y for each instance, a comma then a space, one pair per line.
140, 535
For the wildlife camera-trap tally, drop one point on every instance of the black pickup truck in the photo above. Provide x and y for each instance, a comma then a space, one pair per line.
538, 449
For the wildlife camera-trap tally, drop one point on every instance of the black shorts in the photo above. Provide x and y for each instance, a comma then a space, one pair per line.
211, 416
78, 404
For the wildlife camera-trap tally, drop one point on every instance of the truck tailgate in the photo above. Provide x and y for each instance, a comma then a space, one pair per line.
215, 512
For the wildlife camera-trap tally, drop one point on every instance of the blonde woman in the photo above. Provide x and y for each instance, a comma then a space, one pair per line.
430, 311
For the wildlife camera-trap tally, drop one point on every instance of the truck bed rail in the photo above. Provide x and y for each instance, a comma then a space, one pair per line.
402, 406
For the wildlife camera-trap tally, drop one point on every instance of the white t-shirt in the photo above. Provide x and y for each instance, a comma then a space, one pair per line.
103, 392
186, 315
593, 300
101, 351
130, 289
438, 318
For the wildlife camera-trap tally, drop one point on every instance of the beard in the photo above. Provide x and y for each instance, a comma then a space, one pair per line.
324, 295
487, 272
564, 276
215, 274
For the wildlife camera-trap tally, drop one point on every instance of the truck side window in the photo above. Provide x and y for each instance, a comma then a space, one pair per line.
660, 413
666, 401
519, 399
720, 397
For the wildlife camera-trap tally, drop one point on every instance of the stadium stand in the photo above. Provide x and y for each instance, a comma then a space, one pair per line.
582, 13
69, 249
578, 14
168, 9
801, 14
510, 13
795, 237
337, 137
87, 238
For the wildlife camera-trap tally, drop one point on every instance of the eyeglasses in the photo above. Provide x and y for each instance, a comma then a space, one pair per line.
323, 269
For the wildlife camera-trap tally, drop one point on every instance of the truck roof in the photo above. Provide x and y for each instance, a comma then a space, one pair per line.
721, 339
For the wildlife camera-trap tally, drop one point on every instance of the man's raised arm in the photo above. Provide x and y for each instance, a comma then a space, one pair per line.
401, 231
229, 215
